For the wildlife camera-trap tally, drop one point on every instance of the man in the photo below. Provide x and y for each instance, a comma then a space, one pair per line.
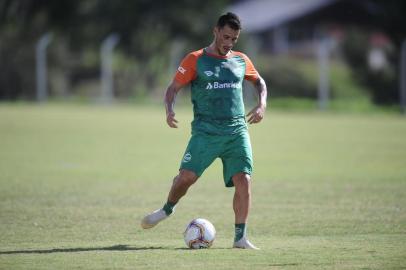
219, 128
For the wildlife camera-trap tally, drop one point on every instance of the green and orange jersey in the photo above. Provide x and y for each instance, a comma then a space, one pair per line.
216, 85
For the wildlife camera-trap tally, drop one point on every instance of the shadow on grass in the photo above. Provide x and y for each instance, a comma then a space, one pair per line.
191, 249
63, 250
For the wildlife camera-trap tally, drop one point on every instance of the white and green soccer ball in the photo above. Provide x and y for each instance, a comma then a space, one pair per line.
199, 233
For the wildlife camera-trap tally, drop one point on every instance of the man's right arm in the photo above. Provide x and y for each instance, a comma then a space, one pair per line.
169, 100
184, 75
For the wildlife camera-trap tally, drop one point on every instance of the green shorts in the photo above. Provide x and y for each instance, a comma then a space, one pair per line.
234, 151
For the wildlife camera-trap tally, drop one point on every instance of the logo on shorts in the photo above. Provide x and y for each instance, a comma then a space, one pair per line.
187, 157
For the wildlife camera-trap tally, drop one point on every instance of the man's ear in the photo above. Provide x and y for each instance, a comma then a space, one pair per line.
215, 31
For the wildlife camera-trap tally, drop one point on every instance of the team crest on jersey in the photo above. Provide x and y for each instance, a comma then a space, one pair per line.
216, 71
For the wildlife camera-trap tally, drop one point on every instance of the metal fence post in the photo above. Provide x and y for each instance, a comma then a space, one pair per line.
41, 67
402, 77
106, 54
323, 55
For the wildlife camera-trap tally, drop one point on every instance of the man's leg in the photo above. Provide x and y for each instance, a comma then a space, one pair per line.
181, 184
241, 206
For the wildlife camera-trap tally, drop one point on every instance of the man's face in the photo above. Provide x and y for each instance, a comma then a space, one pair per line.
225, 39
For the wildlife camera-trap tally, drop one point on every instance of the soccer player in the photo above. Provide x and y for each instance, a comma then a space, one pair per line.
219, 128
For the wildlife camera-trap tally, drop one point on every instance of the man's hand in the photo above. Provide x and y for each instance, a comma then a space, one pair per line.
169, 100
256, 115
170, 119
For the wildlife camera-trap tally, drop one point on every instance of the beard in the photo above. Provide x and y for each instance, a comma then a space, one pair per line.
222, 50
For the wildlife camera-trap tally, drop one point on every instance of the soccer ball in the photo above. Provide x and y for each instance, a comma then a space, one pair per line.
199, 233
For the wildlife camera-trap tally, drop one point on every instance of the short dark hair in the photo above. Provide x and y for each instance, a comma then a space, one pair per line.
229, 19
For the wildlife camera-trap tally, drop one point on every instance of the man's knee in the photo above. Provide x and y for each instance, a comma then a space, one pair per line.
186, 177
242, 181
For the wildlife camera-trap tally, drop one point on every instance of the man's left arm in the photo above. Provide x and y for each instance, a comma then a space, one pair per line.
258, 113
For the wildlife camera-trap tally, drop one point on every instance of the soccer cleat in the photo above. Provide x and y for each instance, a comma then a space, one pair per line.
244, 243
153, 219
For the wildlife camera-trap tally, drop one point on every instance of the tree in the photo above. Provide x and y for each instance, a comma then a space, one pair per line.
388, 17
146, 29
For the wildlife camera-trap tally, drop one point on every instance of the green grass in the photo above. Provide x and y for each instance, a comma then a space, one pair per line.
329, 191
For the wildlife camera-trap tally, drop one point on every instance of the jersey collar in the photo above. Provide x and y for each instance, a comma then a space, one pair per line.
218, 56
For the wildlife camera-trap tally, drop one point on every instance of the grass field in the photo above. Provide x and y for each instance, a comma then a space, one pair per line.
329, 191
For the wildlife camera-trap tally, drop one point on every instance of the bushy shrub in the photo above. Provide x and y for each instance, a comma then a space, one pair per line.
286, 80
382, 84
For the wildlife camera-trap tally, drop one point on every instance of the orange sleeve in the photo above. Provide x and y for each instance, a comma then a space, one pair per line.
187, 69
251, 74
